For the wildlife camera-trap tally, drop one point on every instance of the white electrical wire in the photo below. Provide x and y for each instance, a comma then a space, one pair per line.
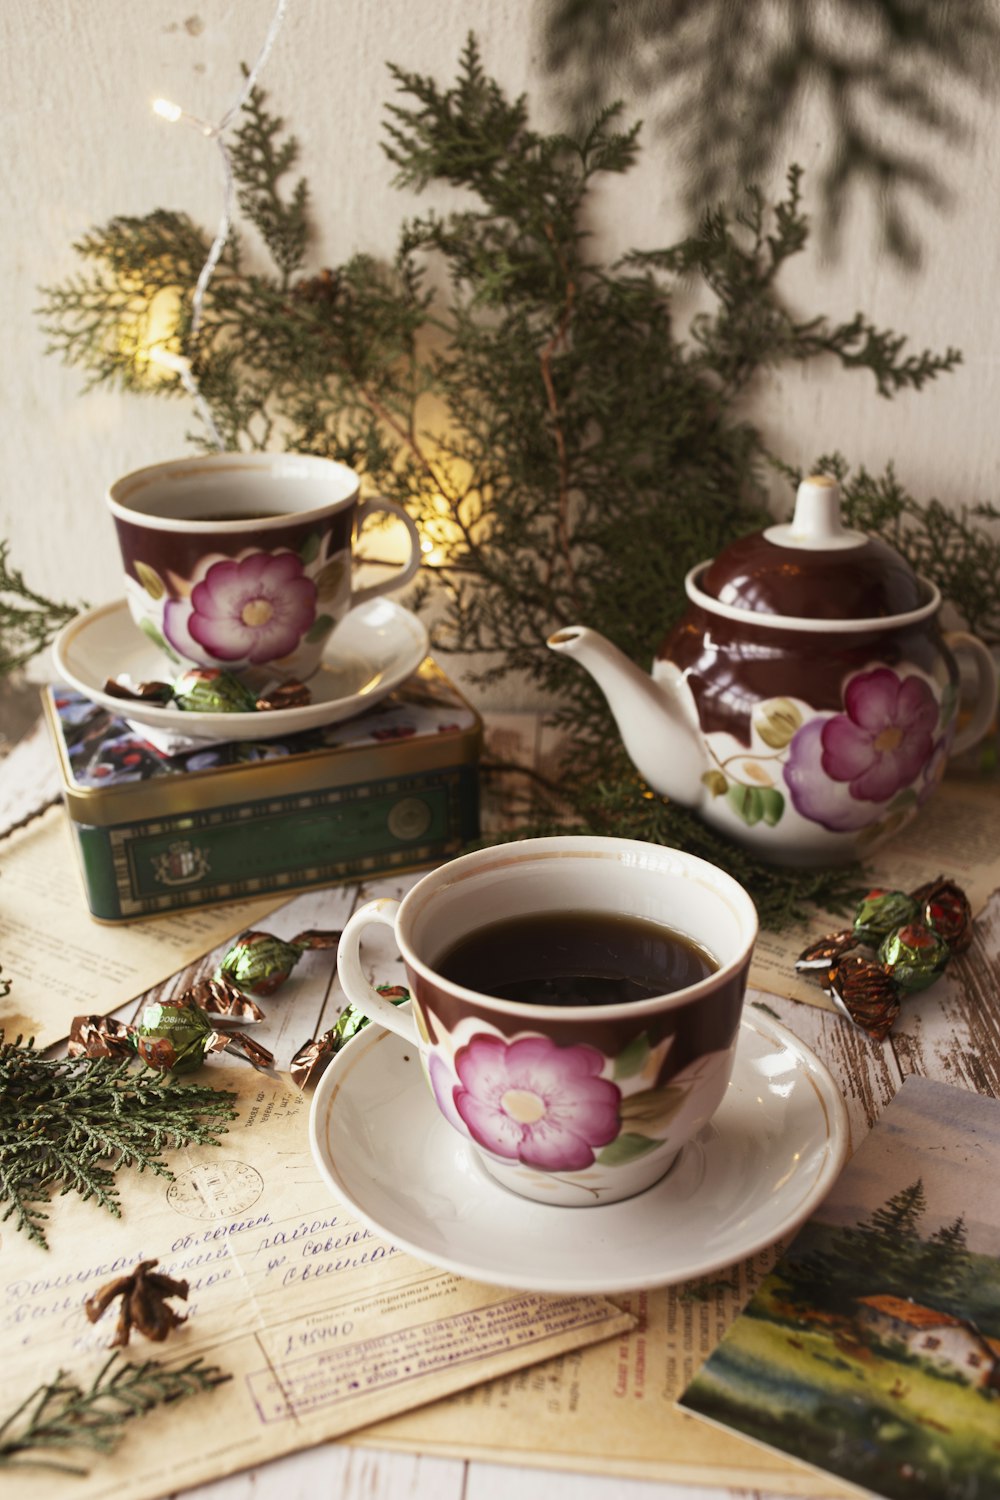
174, 114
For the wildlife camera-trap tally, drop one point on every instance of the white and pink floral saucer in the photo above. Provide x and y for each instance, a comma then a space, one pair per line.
372, 650
755, 1173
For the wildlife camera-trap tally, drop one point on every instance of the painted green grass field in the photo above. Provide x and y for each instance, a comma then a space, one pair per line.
891, 1425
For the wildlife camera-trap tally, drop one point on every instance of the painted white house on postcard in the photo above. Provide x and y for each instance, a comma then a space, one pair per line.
953, 1345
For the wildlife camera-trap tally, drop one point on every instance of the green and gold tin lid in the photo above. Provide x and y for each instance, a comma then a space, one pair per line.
112, 773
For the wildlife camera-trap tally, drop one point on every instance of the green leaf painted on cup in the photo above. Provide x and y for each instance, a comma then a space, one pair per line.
904, 799
632, 1059
309, 551
652, 1109
716, 783
949, 704
773, 805
159, 641
319, 627
625, 1148
747, 802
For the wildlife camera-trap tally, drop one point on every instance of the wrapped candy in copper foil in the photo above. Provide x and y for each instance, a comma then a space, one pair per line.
99, 1036
819, 957
284, 695
945, 909
862, 990
146, 692
311, 1060
313, 1057
253, 1051
881, 912
914, 956
176, 1036
219, 997
260, 962
209, 690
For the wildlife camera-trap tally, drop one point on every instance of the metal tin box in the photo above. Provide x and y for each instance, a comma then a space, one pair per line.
394, 789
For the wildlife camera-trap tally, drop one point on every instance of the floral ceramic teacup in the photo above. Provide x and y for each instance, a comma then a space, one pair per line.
573, 1105
244, 560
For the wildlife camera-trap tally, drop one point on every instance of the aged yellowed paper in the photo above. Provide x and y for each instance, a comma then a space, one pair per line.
610, 1409
63, 963
322, 1324
957, 835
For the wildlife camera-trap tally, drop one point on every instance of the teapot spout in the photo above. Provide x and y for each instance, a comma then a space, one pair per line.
657, 719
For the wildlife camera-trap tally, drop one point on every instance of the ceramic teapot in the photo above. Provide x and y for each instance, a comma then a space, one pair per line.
806, 703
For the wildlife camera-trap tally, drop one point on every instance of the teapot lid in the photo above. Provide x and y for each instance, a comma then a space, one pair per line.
814, 566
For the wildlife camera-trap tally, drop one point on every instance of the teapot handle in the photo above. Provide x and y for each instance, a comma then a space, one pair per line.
986, 689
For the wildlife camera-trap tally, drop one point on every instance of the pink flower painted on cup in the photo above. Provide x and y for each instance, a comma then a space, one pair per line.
885, 738
844, 769
253, 609
535, 1102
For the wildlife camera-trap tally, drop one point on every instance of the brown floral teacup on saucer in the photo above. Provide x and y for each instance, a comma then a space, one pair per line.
576, 1005
244, 560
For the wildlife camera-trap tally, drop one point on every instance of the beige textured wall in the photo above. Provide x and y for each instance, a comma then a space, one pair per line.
78, 143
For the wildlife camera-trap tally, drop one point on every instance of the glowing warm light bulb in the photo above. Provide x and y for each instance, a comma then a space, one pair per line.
167, 111
168, 360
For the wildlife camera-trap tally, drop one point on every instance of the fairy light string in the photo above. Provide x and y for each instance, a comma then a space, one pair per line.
174, 115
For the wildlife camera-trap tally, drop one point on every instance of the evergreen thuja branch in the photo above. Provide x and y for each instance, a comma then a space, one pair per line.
61, 1414
260, 161
739, 256
134, 294
70, 1124
28, 621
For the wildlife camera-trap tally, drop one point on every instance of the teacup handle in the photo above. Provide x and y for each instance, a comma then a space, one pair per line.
354, 979
396, 580
986, 689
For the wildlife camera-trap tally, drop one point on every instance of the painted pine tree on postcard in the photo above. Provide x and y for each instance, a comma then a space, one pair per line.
872, 1351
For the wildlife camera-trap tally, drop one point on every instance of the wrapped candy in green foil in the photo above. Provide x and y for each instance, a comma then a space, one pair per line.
914, 956
173, 1035
881, 912
176, 1036
208, 690
260, 963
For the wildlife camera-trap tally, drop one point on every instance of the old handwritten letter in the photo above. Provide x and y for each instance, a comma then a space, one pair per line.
610, 1409
322, 1324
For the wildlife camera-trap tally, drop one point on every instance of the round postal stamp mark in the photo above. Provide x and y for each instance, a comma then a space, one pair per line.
218, 1190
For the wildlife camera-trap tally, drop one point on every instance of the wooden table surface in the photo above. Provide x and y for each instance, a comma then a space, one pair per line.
950, 1033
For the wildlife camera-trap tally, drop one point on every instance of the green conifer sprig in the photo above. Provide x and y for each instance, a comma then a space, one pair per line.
61, 1414
70, 1124
28, 621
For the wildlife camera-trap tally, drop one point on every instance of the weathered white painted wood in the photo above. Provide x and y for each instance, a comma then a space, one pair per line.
491, 1482
346, 1473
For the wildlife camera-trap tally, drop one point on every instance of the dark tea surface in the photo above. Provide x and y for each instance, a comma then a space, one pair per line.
235, 515
575, 958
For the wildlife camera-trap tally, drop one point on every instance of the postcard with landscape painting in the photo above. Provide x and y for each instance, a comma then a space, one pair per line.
872, 1351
